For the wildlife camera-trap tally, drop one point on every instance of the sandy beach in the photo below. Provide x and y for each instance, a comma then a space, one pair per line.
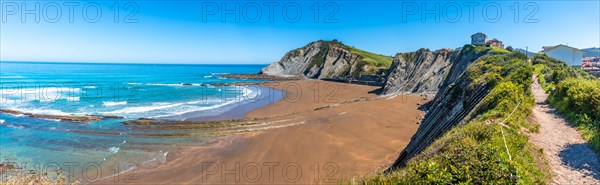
320, 132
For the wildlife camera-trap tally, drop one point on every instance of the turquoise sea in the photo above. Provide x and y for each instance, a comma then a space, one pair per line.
159, 91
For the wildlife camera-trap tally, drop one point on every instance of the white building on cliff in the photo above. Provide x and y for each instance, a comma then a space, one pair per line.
568, 54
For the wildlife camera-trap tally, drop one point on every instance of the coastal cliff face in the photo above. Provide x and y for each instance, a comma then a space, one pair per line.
426, 71
325, 59
451, 107
422, 71
455, 100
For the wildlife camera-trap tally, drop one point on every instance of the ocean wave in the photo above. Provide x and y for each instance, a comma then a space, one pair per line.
40, 89
183, 108
48, 119
3, 123
141, 109
174, 85
68, 98
12, 76
42, 94
47, 112
112, 103
89, 87
167, 109
247, 94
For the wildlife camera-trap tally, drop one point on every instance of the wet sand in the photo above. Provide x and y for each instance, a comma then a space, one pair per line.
320, 132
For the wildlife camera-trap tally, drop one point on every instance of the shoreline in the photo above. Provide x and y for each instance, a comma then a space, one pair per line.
238, 109
301, 124
296, 131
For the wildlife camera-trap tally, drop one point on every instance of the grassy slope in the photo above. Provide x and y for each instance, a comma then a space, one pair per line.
373, 61
573, 93
474, 152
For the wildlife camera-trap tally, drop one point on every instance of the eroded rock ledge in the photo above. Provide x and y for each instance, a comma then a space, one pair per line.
147, 121
80, 119
262, 77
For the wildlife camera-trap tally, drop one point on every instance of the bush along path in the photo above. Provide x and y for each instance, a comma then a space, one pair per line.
570, 157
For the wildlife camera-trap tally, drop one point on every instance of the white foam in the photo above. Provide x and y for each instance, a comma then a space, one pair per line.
55, 120
12, 76
47, 112
11, 125
89, 87
196, 108
113, 149
141, 109
166, 109
112, 103
173, 85
44, 94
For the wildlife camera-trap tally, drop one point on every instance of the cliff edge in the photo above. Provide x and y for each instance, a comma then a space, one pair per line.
327, 59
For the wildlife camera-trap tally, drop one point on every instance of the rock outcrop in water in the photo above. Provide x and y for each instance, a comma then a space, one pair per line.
326, 59
68, 118
425, 71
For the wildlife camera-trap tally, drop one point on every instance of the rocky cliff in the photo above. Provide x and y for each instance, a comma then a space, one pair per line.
425, 71
456, 99
327, 59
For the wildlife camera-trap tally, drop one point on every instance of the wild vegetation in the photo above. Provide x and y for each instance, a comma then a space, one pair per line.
491, 148
371, 63
573, 93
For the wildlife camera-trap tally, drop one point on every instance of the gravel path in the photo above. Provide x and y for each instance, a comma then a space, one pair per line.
571, 159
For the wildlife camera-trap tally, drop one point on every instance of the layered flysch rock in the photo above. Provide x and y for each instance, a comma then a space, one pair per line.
425, 71
455, 100
422, 71
320, 59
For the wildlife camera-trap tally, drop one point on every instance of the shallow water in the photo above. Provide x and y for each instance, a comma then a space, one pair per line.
129, 90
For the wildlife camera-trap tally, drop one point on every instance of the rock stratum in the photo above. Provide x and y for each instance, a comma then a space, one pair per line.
442, 72
327, 59
425, 71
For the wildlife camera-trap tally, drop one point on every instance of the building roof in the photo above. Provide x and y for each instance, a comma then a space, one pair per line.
493, 40
478, 34
548, 48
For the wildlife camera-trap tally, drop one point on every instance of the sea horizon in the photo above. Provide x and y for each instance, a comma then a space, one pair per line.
141, 63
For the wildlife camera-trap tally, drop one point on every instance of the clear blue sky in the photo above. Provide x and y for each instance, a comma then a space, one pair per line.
188, 31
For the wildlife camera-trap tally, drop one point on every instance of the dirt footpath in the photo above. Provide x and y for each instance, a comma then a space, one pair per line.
571, 159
